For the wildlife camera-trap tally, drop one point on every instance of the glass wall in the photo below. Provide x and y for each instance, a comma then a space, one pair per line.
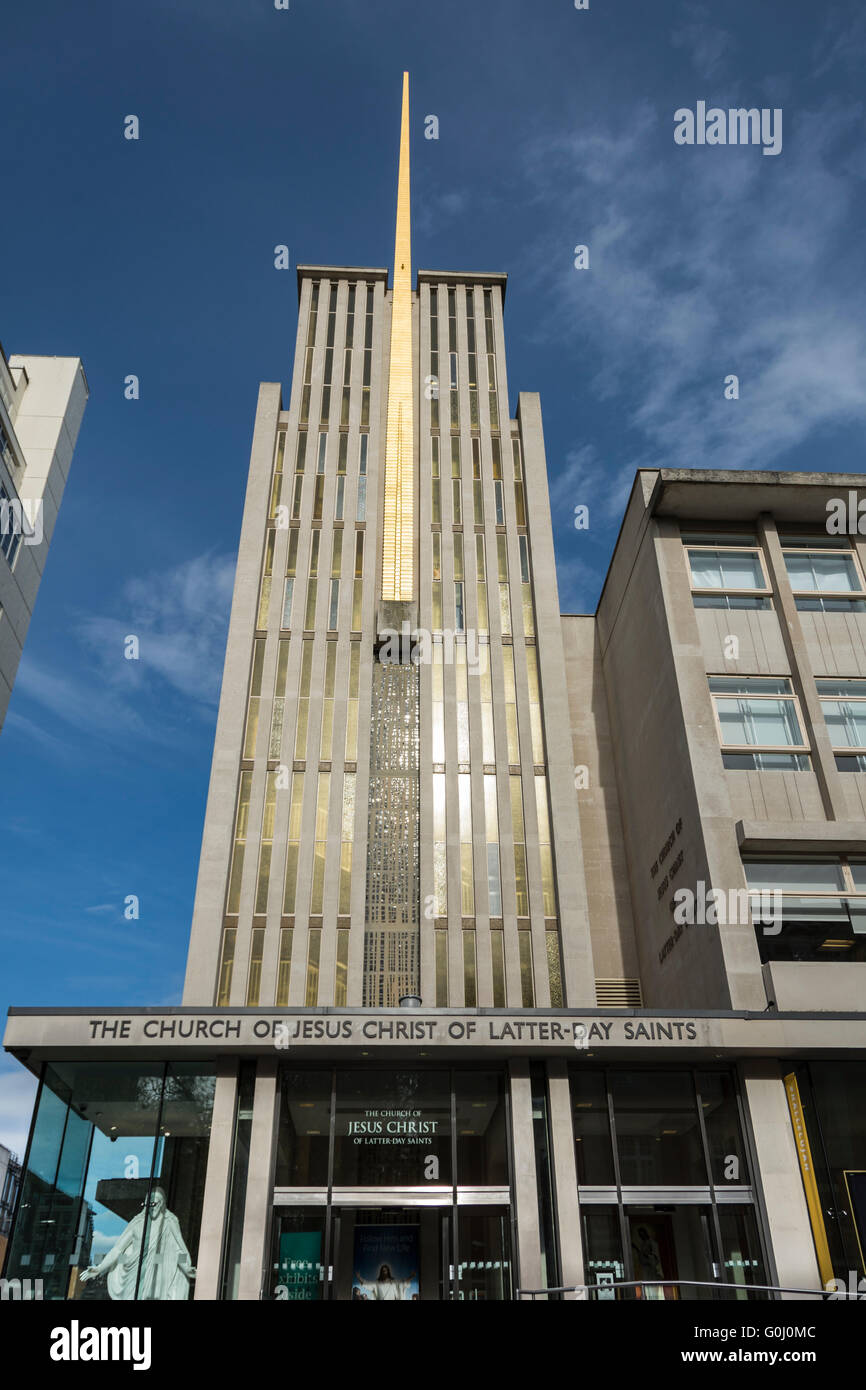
392, 1128
113, 1190
834, 1108
483, 1243
663, 1172
299, 1253
482, 1145
434, 1141
657, 1135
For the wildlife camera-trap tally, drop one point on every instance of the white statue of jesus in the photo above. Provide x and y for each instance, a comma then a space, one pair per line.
166, 1269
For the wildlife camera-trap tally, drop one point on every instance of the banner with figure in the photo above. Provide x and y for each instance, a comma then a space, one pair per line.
386, 1264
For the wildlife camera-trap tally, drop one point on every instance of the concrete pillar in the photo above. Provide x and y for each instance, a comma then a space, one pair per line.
830, 780
205, 942
566, 1204
529, 1272
260, 1179
578, 976
217, 1179
779, 1176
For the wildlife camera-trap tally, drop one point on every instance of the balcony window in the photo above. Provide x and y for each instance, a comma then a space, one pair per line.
759, 724
823, 908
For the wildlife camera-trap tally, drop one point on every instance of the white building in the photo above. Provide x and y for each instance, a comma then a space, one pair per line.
42, 401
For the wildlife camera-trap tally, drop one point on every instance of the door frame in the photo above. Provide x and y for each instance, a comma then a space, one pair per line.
445, 1199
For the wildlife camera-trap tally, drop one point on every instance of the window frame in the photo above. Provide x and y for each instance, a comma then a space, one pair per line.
815, 549
724, 747
847, 749
725, 591
10, 539
848, 890
844, 895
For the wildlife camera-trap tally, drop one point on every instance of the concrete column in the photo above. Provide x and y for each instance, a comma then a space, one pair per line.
779, 1176
717, 966
217, 1179
206, 934
529, 1270
824, 763
566, 1204
260, 1179
578, 976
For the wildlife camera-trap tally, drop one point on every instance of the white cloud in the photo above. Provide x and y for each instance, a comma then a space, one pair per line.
180, 618
17, 1093
719, 262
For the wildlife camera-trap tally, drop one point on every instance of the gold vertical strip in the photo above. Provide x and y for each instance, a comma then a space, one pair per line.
398, 544
807, 1173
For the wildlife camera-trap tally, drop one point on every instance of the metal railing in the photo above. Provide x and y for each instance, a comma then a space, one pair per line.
609, 1290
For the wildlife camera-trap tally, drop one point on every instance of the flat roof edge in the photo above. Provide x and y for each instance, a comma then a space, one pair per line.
465, 277
309, 271
757, 477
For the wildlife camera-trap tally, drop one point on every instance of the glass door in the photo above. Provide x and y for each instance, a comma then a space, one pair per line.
483, 1254
671, 1243
298, 1264
401, 1253
390, 1254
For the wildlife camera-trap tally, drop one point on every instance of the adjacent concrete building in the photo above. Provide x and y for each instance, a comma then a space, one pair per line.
42, 402
10, 1181
527, 948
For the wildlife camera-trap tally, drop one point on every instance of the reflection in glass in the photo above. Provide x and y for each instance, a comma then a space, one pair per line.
722, 1123
112, 1196
484, 1254
305, 1120
592, 1147
298, 1271
671, 1243
742, 1261
602, 1251
482, 1159
657, 1128
389, 1125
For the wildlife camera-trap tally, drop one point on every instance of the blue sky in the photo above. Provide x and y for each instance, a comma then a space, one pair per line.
155, 257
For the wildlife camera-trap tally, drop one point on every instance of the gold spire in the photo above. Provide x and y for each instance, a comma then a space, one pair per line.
398, 548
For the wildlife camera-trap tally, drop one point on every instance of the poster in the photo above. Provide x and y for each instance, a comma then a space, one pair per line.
385, 1264
652, 1251
300, 1268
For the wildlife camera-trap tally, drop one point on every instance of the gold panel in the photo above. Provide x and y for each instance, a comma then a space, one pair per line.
398, 544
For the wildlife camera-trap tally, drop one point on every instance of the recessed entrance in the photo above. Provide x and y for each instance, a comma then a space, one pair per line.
423, 1252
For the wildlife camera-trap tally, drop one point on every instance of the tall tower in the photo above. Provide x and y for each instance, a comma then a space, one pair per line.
383, 820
